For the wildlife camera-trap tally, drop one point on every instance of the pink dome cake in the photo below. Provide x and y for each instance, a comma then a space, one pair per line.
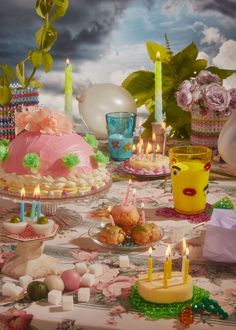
48, 153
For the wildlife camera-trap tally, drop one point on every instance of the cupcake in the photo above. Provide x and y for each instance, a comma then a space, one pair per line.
111, 235
145, 233
125, 216
42, 226
14, 225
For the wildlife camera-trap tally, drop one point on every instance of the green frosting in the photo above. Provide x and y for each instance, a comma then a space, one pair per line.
91, 139
4, 149
101, 158
70, 160
31, 161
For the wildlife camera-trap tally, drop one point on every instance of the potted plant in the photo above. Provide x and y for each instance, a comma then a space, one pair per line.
175, 69
15, 81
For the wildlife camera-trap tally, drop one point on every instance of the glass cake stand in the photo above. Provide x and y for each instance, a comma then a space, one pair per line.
50, 204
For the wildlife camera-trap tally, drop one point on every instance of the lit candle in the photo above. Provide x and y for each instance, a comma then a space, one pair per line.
164, 139
127, 193
143, 220
183, 255
150, 264
22, 205
134, 196
38, 203
32, 213
170, 262
111, 217
158, 90
166, 268
148, 149
68, 88
186, 267
154, 146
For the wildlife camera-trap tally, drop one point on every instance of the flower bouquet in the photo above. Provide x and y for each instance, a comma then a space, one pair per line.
210, 105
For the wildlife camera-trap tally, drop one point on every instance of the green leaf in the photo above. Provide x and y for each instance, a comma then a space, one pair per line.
140, 84
185, 57
61, 8
42, 7
46, 37
5, 95
153, 48
20, 72
47, 62
8, 72
199, 65
35, 84
3, 152
37, 58
222, 73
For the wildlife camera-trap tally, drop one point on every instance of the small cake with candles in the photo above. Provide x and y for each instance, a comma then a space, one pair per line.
144, 233
125, 216
14, 225
111, 234
48, 153
169, 286
42, 226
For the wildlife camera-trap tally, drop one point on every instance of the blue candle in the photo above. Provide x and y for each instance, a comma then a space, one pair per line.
32, 214
22, 205
38, 209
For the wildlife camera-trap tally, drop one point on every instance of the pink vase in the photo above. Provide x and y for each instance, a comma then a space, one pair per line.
206, 127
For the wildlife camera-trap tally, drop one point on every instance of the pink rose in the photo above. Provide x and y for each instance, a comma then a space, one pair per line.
16, 319
206, 77
232, 103
216, 97
184, 99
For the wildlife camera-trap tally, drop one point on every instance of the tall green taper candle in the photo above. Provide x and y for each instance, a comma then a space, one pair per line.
158, 90
68, 88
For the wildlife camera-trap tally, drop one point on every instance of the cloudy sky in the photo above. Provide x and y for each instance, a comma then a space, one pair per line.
105, 39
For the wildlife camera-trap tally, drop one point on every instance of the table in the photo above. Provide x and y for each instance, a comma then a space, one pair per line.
109, 307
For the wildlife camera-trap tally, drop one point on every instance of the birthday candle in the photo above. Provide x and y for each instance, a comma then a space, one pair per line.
169, 263
186, 267
111, 217
154, 146
127, 193
22, 205
150, 264
164, 140
166, 268
158, 90
32, 213
143, 220
38, 204
68, 88
134, 196
183, 255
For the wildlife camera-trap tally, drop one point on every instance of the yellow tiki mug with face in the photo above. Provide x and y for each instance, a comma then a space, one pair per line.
190, 167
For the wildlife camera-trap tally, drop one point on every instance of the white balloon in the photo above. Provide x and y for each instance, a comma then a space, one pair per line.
100, 99
227, 141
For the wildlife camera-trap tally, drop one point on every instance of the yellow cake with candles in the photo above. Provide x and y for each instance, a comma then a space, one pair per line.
176, 290
149, 162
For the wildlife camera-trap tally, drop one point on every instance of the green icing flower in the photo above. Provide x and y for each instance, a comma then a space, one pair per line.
31, 161
92, 141
101, 158
4, 142
4, 149
70, 160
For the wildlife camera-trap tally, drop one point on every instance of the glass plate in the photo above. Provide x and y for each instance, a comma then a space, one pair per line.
125, 246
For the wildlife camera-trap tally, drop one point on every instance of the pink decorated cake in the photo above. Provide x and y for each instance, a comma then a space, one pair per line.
50, 154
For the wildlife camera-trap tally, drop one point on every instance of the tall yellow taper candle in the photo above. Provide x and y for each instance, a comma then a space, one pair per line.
166, 269
186, 267
158, 90
68, 88
150, 264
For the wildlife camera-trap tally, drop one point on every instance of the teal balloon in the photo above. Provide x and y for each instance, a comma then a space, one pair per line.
101, 99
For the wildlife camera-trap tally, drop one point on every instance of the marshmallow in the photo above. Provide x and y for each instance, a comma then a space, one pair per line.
123, 261
81, 268
88, 279
96, 269
54, 297
83, 295
11, 290
67, 303
25, 280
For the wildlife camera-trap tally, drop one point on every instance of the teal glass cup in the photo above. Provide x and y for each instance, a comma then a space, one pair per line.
120, 129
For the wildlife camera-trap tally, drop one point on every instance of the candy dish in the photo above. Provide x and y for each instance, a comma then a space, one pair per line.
126, 245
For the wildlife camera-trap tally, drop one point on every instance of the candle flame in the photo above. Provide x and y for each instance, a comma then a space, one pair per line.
22, 193
153, 137
187, 252
157, 148
130, 182
167, 252
109, 209
142, 206
150, 251
67, 61
134, 192
184, 246
141, 142
148, 149
158, 56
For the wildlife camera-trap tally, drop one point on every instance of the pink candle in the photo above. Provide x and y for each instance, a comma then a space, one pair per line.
134, 196
111, 217
142, 213
127, 193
